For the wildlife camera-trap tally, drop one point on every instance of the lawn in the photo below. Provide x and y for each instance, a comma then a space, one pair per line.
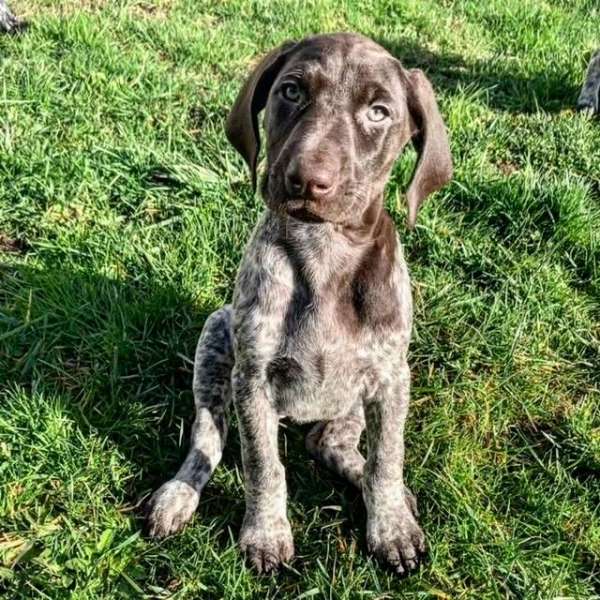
123, 216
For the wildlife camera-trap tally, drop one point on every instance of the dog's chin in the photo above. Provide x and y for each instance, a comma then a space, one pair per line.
303, 210
300, 209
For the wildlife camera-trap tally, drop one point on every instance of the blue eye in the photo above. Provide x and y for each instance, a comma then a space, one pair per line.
292, 92
377, 113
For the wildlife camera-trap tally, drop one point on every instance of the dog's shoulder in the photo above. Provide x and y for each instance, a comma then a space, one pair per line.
265, 276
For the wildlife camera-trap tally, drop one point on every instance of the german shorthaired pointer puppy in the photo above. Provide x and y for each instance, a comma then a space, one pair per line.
320, 323
8, 22
589, 98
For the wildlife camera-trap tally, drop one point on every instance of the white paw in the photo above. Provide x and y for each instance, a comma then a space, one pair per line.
170, 508
267, 546
399, 542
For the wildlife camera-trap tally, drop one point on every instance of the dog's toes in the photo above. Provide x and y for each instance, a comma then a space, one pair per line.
418, 540
267, 550
400, 555
269, 559
401, 545
9, 24
170, 508
263, 561
586, 108
588, 104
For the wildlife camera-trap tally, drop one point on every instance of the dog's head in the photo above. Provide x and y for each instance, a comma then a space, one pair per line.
339, 111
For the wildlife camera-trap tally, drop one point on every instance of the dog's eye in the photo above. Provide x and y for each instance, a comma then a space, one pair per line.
292, 92
377, 113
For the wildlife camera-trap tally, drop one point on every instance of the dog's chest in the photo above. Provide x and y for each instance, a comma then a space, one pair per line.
318, 368
294, 324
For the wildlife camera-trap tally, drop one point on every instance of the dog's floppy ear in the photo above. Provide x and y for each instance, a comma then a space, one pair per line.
242, 124
434, 165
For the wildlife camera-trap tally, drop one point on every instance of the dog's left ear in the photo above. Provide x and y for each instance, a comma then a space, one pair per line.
429, 137
242, 124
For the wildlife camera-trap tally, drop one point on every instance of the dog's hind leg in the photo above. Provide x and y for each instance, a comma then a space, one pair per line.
335, 444
173, 504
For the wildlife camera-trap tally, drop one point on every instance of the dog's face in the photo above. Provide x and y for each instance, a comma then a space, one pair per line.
336, 120
339, 110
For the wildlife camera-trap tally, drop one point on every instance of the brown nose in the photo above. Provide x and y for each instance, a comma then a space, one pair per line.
310, 180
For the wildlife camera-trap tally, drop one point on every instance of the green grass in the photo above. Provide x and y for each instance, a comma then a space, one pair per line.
123, 215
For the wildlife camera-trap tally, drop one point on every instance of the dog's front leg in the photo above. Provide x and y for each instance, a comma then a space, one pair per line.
266, 535
393, 533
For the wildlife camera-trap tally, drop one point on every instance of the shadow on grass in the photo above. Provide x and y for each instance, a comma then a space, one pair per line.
118, 353
501, 84
121, 350
565, 454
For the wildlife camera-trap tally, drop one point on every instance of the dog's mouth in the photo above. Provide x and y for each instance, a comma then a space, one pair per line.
302, 209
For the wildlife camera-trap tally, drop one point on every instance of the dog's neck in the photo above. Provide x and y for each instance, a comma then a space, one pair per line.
331, 252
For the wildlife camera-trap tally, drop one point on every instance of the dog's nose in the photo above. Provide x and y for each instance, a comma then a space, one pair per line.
315, 182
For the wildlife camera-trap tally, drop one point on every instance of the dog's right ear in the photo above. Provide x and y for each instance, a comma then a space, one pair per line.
430, 139
242, 124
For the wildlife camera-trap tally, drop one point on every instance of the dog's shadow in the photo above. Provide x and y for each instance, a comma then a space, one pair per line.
118, 354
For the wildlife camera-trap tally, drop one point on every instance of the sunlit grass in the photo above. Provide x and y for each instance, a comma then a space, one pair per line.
123, 216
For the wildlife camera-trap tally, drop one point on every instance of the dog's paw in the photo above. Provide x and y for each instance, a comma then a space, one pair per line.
170, 508
589, 102
587, 107
399, 542
267, 547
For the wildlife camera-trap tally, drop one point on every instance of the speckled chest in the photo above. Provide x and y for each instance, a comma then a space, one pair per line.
291, 329
319, 369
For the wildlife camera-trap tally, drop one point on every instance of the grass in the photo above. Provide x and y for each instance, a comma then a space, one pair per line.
123, 215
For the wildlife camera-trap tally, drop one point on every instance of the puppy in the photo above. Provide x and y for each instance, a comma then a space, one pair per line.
320, 322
